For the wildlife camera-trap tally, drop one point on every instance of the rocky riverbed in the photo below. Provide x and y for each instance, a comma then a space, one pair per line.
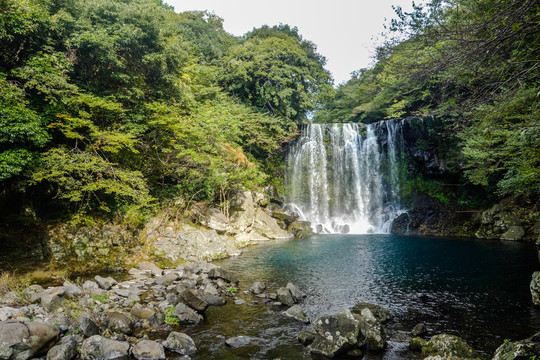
146, 317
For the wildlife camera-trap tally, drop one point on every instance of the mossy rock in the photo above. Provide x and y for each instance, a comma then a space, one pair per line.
417, 343
449, 346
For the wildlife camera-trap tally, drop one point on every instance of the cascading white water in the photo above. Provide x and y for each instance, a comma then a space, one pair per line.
346, 177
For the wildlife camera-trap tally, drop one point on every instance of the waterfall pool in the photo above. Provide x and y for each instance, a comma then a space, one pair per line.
476, 289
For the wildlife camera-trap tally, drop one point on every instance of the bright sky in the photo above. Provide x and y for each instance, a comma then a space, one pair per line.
343, 30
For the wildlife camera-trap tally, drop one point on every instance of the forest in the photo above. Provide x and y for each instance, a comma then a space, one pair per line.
110, 109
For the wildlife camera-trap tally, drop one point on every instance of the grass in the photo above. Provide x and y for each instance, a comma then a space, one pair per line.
12, 283
169, 318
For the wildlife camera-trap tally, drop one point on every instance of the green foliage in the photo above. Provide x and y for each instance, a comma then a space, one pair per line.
108, 108
276, 73
473, 64
169, 318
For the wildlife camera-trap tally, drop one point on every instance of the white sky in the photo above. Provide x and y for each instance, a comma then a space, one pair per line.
343, 30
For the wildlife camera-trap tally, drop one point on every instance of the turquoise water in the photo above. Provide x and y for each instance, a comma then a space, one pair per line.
476, 289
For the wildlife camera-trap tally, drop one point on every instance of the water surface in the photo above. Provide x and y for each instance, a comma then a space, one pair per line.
476, 289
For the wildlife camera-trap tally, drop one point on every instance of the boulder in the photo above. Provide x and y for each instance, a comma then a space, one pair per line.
514, 232
180, 343
257, 288
535, 288
267, 226
148, 266
374, 331
100, 348
286, 216
296, 293
148, 350
65, 349
238, 341
524, 349
71, 290
306, 337
285, 297
191, 299
297, 313
167, 279
104, 283
87, 326
186, 315
142, 312
214, 300
52, 299
419, 330
23, 341
300, 229
335, 334
381, 314
219, 273
449, 346
118, 322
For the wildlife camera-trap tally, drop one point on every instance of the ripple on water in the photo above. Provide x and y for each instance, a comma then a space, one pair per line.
475, 289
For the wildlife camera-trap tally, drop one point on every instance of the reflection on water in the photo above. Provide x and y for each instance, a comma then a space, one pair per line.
478, 290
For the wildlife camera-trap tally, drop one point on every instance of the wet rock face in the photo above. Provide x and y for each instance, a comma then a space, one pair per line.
535, 288
428, 216
449, 346
524, 349
500, 222
335, 334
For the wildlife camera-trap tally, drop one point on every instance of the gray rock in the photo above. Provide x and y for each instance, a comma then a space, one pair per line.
66, 349
157, 319
60, 321
8, 313
257, 288
122, 292
186, 315
238, 341
167, 279
87, 326
148, 266
267, 226
306, 337
535, 288
514, 232
300, 229
381, 314
141, 311
118, 322
172, 299
52, 299
91, 287
210, 289
100, 348
296, 293
103, 283
419, 330
219, 273
335, 334
180, 343
297, 313
524, 349
285, 297
214, 300
191, 299
72, 291
148, 350
23, 341
216, 220
375, 332
239, 301
449, 346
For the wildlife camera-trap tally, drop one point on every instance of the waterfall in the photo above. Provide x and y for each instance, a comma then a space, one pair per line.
345, 178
